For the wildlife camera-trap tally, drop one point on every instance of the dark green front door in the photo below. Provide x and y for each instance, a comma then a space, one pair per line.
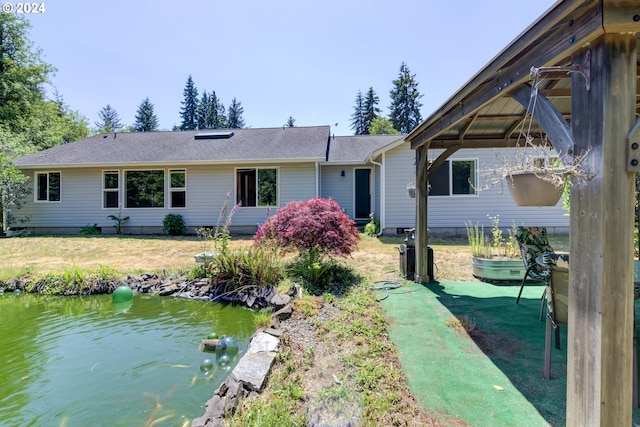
363, 193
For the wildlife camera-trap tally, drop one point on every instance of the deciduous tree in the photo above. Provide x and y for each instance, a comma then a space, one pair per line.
13, 189
318, 224
28, 120
382, 126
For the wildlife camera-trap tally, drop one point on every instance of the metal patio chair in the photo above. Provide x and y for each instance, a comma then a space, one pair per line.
533, 243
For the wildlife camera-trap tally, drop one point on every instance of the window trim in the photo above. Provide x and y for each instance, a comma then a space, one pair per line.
171, 189
256, 168
36, 184
111, 190
124, 185
449, 162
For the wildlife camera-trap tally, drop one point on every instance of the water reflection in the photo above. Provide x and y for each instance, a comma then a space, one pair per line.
85, 361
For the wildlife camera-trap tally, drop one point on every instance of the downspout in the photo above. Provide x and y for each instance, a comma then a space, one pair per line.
317, 164
382, 192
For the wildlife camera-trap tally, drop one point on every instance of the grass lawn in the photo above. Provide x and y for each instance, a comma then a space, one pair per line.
136, 254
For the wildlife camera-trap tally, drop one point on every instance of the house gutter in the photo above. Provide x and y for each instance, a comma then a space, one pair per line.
382, 191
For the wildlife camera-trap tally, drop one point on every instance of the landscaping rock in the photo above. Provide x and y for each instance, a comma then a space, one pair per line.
284, 313
263, 342
252, 369
246, 380
280, 300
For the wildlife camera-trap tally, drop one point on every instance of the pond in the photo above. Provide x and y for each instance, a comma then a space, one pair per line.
83, 361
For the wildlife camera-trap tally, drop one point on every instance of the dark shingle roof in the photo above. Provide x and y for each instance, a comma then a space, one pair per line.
349, 149
277, 144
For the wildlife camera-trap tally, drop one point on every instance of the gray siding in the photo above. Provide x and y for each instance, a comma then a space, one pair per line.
400, 170
207, 188
342, 188
448, 214
490, 201
337, 187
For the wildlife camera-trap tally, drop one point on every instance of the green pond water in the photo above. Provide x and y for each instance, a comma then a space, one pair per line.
81, 361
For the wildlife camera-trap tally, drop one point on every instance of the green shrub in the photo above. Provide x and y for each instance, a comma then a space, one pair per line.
319, 276
173, 224
257, 266
90, 230
372, 228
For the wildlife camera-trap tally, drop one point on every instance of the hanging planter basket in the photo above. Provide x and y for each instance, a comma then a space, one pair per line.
411, 190
529, 189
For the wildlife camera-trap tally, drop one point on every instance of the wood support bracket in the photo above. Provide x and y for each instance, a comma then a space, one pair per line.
584, 69
632, 142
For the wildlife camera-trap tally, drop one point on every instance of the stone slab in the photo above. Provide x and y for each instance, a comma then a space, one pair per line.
253, 369
263, 342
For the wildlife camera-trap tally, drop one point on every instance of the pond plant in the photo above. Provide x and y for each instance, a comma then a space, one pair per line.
216, 240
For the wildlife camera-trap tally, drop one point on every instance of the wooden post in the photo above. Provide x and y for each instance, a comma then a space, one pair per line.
600, 327
422, 238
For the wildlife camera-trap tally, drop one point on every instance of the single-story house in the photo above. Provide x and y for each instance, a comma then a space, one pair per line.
146, 175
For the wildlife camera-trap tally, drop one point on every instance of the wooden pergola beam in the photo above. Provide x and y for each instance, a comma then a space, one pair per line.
601, 296
550, 119
545, 47
601, 305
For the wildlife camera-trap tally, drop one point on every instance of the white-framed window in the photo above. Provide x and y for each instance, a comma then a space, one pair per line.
455, 178
110, 189
48, 186
178, 188
257, 186
144, 188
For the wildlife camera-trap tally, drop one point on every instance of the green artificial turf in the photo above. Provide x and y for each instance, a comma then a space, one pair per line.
493, 375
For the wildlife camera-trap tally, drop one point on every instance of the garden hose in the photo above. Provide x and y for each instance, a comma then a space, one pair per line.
385, 285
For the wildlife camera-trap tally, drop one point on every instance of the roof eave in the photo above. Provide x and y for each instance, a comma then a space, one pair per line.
169, 163
505, 71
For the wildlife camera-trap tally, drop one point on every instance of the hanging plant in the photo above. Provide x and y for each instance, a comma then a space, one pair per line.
411, 189
535, 174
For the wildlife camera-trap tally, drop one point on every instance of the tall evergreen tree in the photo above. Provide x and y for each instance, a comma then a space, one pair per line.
146, 120
188, 112
404, 111
203, 112
357, 118
291, 122
234, 115
109, 120
218, 112
370, 110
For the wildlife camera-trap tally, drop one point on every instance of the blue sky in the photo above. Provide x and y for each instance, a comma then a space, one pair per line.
279, 58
